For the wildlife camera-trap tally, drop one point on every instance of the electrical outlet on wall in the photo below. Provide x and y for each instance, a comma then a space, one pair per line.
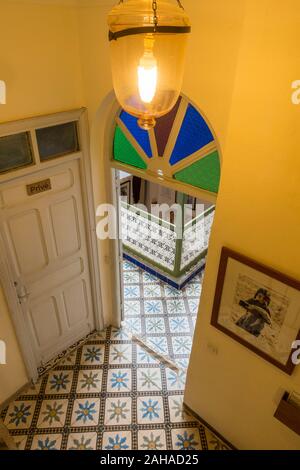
2, 92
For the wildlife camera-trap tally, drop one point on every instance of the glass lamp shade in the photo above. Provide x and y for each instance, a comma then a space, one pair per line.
148, 59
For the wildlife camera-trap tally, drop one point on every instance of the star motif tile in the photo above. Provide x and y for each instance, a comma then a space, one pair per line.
106, 404
89, 381
118, 411
85, 412
19, 415
52, 414
150, 410
82, 441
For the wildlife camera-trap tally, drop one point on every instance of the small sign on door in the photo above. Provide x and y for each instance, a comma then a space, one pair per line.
39, 187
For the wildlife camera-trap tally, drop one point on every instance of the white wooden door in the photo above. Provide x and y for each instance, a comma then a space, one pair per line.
44, 237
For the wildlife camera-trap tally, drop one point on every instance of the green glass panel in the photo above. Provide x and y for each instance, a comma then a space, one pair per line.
204, 173
124, 152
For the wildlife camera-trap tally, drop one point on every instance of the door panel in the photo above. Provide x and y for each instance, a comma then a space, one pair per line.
45, 322
45, 239
65, 227
75, 299
25, 235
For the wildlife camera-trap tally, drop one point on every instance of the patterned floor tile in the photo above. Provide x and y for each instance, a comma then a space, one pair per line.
159, 345
107, 404
32, 389
119, 380
145, 357
120, 354
155, 325
92, 354
68, 360
152, 440
177, 411
129, 266
47, 442
186, 439
150, 410
82, 441
132, 308
20, 414
118, 411
179, 325
132, 292
175, 306
85, 412
172, 292
52, 414
20, 442
182, 344
147, 277
117, 440
154, 307
120, 334
175, 380
59, 382
89, 381
193, 305
131, 277
152, 290
149, 380
134, 325
163, 316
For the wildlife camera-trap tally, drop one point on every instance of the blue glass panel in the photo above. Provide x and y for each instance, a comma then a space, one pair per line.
141, 136
194, 134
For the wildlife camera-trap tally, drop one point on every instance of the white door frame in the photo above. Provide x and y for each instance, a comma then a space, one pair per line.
83, 156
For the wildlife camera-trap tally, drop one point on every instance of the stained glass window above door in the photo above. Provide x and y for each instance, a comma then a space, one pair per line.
182, 147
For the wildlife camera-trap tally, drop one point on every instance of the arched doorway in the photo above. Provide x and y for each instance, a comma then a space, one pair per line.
182, 154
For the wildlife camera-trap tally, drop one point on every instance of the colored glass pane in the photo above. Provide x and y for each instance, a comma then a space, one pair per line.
204, 173
124, 151
163, 128
140, 135
193, 135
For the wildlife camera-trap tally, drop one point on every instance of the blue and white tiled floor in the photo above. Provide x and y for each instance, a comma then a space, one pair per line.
164, 317
111, 393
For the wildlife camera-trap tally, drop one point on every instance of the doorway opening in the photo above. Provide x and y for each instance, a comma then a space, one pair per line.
180, 161
165, 236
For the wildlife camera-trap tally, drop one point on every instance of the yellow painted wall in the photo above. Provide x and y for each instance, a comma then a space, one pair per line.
40, 62
13, 374
39, 59
258, 211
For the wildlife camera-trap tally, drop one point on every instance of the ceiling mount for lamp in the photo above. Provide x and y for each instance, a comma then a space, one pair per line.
148, 42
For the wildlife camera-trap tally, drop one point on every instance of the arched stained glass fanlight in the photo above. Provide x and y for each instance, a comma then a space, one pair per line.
181, 147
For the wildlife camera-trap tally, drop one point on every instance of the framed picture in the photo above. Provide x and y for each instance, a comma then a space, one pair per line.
125, 191
258, 307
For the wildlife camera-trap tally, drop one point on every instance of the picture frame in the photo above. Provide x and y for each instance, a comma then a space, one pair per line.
125, 191
259, 307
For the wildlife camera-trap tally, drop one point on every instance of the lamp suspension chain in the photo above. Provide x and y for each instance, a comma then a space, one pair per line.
155, 18
180, 4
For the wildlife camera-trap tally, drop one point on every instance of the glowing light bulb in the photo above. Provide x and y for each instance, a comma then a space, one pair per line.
147, 77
